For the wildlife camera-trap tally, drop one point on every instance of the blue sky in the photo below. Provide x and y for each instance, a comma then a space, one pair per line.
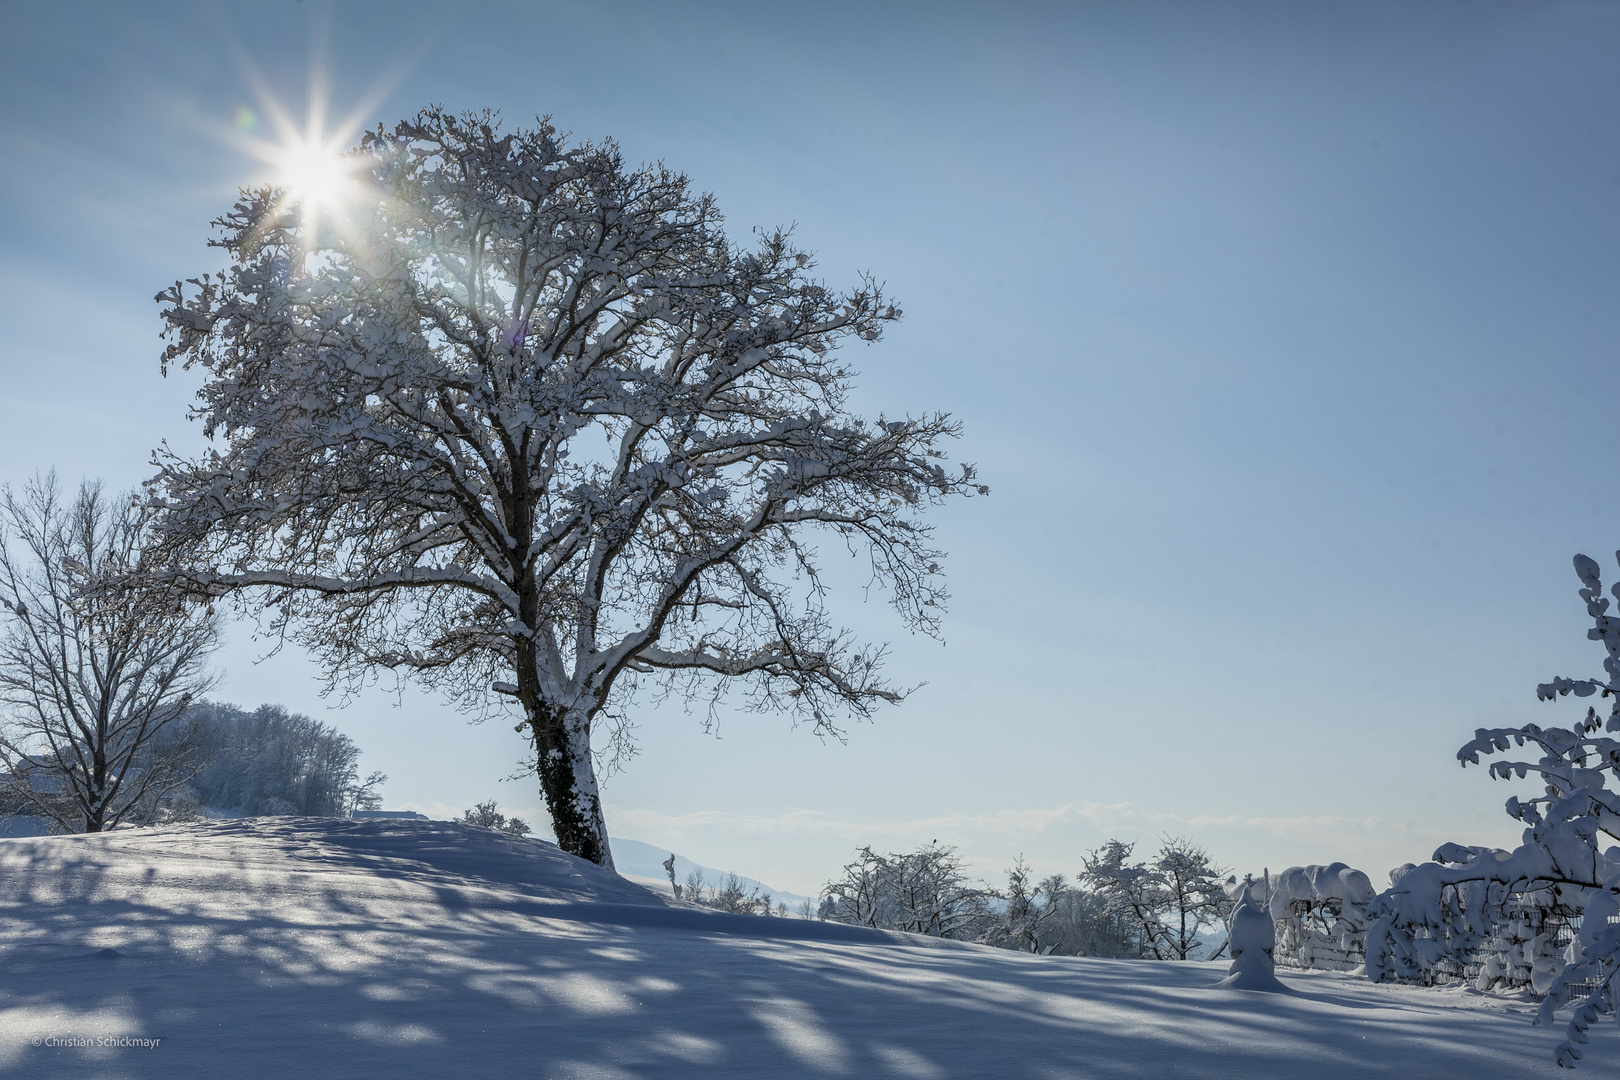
1284, 335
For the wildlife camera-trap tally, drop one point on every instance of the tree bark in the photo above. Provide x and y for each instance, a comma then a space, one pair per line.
568, 781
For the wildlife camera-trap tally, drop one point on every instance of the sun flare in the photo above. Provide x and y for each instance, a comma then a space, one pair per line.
308, 162
316, 176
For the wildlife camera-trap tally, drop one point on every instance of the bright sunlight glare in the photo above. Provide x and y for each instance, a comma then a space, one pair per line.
308, 161
314, 175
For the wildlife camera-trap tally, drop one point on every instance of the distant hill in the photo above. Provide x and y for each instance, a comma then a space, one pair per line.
632, 858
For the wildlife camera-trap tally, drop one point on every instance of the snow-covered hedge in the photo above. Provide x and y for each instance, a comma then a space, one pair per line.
1321, 916
1546, 915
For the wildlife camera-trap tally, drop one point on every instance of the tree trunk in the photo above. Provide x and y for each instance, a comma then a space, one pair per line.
568, 781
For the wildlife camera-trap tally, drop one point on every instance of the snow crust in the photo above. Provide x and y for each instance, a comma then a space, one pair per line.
406, 949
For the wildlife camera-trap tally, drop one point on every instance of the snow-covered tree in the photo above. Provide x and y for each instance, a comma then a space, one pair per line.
95, 673
1546, 915
1169, 901
926, 891
1081, 923
524, 418
1029, 915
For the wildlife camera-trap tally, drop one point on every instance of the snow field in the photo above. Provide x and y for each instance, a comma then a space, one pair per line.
292, 947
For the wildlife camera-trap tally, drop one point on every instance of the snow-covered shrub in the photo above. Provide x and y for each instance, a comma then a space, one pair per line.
731, 894
1321, 916
734, 896
925, 891
1252, 938
1541, 917
488, 815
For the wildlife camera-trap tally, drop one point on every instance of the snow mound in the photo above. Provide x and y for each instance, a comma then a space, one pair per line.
409, 950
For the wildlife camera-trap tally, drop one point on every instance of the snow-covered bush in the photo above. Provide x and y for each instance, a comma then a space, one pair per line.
1252, 939
488, 815
1541, 917
733, 895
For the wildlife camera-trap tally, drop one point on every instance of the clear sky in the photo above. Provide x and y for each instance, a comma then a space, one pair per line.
1283, 333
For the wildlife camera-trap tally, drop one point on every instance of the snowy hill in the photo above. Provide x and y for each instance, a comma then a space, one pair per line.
401, 949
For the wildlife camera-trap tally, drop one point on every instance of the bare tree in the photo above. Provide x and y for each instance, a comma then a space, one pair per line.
362, 794
95, 673
531, 421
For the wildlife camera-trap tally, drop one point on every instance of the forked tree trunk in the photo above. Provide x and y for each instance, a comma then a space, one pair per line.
568, 781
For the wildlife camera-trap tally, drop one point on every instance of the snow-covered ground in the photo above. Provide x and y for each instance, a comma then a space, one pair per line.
317, 947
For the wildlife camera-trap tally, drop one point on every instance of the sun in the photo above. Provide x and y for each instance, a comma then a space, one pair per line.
309, 163
315, 175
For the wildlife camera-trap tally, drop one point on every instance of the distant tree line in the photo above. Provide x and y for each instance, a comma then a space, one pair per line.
1162, 908
1167, 907
220, 758
272, 761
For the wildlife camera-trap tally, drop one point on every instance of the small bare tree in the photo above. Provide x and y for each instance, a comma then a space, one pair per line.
95, 673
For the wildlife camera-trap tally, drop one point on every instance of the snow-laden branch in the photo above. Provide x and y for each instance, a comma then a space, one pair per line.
1503, 910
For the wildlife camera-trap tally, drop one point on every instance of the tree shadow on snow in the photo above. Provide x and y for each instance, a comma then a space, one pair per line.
382, 951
